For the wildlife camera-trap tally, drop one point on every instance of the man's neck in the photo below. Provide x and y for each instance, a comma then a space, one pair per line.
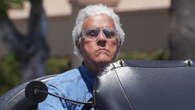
94, 67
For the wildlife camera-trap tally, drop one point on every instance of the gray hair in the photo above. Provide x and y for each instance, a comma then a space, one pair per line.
92, 10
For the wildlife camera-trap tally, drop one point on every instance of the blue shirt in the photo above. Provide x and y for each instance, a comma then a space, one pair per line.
76, 84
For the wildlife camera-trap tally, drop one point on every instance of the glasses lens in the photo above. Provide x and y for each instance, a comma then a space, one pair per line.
109, 33
93, 33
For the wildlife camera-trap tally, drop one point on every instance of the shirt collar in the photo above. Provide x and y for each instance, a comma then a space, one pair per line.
88, 76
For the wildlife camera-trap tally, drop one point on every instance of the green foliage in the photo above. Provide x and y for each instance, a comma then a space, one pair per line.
3, 8
7, 4
58, 65
15, 3
9, 73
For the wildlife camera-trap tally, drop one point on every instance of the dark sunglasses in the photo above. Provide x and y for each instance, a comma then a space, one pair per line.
94, 32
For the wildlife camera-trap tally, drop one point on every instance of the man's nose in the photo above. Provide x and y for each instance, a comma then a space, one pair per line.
101, 39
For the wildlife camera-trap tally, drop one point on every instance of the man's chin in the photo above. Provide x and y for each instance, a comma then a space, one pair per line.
103, 61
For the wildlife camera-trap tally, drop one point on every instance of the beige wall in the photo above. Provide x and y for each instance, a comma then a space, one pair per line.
145, 30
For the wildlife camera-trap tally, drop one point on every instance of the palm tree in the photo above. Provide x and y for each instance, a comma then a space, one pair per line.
182, 32
31, 49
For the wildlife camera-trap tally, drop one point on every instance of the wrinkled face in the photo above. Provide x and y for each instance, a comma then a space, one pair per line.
99, 43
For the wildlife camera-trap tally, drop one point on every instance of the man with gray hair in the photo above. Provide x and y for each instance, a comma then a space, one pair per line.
97, 38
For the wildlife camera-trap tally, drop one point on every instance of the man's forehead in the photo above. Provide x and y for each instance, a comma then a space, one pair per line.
98, 21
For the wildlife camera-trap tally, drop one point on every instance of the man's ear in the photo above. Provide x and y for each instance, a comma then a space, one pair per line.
78, 44
119, 44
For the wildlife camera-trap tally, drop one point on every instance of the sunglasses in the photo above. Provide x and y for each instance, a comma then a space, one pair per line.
94, 32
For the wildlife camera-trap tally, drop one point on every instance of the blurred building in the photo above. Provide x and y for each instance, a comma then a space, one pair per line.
145, 23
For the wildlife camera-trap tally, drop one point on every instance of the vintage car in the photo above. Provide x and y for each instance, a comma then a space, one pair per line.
129, 85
